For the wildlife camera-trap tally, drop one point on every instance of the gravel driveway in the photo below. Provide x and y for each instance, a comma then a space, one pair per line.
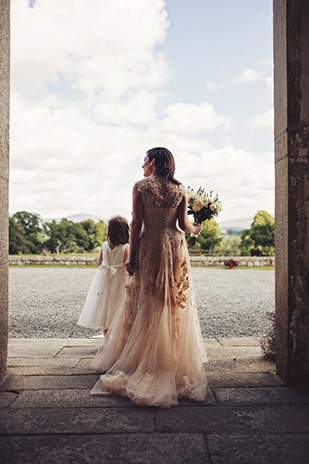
46, 302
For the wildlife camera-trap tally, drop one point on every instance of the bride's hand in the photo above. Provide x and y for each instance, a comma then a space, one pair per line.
196, 229
130, 267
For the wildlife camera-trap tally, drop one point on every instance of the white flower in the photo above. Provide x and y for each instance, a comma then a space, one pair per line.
197, 205
212, 207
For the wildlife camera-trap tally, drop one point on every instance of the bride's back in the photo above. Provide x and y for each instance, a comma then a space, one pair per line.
160, 198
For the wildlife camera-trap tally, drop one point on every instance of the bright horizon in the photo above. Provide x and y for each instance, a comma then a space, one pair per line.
96, 85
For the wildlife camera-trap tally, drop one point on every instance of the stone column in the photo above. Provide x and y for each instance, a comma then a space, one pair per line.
291, 75
4, 176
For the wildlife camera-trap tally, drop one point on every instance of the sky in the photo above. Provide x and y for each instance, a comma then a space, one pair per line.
96, 84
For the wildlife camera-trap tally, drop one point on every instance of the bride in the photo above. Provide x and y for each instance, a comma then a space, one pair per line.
154, 351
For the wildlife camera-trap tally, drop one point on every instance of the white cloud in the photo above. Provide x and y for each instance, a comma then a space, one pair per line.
215, 86
138, 109
86, 81
250, 75
245, 76
190, 119
264, 121
99, 45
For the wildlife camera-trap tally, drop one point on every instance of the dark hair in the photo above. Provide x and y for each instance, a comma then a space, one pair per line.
118, 230
165, 164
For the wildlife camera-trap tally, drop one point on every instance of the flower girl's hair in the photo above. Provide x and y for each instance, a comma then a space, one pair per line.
118, 230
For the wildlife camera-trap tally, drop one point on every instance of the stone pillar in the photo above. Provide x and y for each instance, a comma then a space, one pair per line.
291, 86
4, 176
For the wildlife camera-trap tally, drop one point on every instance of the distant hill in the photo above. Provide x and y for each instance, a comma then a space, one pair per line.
79, 217
236, 224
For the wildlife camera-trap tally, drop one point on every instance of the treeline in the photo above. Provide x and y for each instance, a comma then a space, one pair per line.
259, 239
28, 234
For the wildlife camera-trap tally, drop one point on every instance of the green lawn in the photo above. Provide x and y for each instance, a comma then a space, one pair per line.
264, 268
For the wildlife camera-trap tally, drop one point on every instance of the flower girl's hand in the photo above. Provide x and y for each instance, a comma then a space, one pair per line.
197, 228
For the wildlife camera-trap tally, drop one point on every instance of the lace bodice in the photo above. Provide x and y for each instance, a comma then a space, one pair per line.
160, 199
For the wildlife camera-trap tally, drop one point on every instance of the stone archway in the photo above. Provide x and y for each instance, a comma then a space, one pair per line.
291, 85
291, 59
4, 175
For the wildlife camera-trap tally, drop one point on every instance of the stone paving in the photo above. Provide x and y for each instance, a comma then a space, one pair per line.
48, 415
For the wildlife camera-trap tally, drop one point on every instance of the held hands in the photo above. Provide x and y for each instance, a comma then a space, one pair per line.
130, 266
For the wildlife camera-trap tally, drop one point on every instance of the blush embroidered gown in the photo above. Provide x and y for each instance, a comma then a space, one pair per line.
154, 351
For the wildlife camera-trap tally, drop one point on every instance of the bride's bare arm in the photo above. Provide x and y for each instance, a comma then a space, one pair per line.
136, 225
183, 220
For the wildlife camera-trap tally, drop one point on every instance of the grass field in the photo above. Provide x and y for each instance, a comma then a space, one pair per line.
261, 268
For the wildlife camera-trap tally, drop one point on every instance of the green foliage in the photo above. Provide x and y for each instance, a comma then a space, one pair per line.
100, 233
246, 243
27, 235
18, 242
261, 235
263, 232
233, 232
209, 238
231, 244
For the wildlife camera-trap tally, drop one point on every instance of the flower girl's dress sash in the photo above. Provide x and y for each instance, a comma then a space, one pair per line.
112, 268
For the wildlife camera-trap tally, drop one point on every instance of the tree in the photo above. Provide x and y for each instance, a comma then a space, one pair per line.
209, 238
230, 244
246, 243
18, 242
261, 234
100, 233
61, 237
263, 231
31, 224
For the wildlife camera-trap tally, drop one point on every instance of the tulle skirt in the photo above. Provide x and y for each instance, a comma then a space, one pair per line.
105, 296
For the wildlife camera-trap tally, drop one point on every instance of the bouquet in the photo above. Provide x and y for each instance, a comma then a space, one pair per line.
203, 206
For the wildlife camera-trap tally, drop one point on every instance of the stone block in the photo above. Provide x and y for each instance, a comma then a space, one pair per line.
280, 68
239, 341
234, 352
211, 343
43, 370
6, 399
241, 379
76, 421
245, 449
75, 398
43, 362
137, 448
78, 351
233, 420
84, 367
32, 350
81, 399
261, 396
241, 365
49, 382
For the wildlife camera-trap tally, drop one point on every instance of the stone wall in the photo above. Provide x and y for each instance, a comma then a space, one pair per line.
92, 261
4, 175
291, 74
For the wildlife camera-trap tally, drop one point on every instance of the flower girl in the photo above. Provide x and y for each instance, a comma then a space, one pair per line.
107, 290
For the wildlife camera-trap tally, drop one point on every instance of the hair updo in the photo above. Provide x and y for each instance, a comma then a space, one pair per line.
164, 163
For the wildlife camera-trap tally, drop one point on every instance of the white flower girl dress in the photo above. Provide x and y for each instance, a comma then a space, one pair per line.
107, 290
